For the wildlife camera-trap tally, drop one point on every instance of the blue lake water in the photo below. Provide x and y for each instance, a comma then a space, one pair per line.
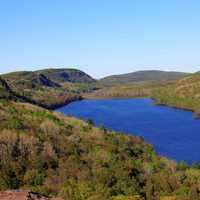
172, 132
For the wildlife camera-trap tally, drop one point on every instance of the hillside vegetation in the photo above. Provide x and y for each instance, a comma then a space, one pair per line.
48, 88
140, 77
56, 155
184, 93
63, 156
123, 91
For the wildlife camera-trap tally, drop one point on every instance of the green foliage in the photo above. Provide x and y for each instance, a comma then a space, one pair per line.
15, 123
182, 191
74, 190
183, 93
39, 179
182, 165
103, 128
196, 165
123, 197
53, 154
33, 178
139, 77
90, 122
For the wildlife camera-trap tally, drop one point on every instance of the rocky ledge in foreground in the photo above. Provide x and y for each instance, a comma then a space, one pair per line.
24, 195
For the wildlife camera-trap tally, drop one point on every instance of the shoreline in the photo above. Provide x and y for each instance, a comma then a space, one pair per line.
125, 97
195, 115
56, 106
141, 136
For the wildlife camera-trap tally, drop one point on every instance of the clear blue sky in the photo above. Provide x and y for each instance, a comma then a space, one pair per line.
101, 37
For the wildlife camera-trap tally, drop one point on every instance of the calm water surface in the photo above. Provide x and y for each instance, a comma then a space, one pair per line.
172, 132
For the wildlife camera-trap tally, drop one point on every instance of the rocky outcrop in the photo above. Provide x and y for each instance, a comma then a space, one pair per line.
67, 75
6, 92
24, 195
42, 80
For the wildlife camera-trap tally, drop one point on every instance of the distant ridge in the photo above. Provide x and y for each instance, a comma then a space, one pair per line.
67, 75
141, 76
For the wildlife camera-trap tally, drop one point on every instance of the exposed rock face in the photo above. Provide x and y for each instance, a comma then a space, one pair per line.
40, 79
29, 80
24, 195
67, 75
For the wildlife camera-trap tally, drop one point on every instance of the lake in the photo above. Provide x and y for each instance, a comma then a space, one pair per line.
173, 132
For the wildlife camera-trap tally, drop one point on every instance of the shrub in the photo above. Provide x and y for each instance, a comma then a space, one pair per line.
39, 179
182, 165
15, 123
196, 165
90, 122
29, 177
103, 128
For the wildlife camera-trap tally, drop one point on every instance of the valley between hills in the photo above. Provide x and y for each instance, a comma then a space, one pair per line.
61, 156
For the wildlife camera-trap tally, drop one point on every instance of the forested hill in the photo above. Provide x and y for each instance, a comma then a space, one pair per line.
184, 93
55, 155
48, 88
141, 76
